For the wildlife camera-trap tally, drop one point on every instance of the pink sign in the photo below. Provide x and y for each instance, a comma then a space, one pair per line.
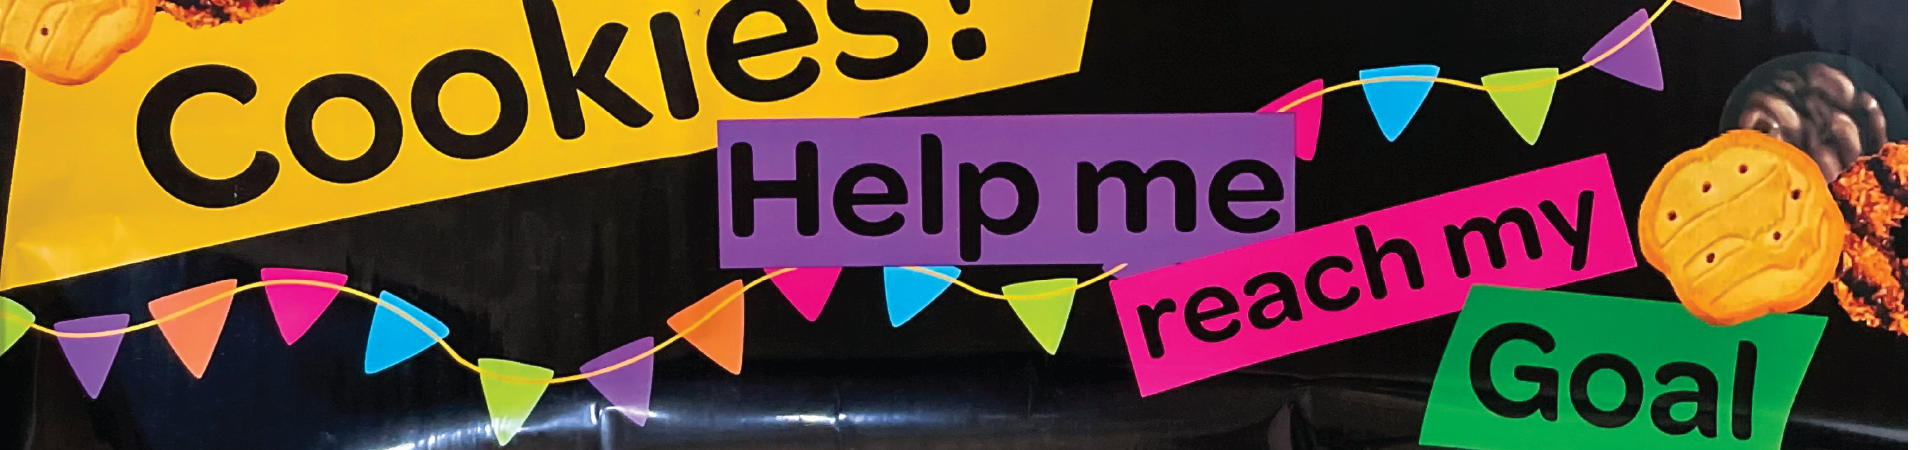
1408, 263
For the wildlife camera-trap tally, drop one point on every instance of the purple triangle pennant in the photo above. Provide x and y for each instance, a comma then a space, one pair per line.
629, 388
1638, 62
92, 358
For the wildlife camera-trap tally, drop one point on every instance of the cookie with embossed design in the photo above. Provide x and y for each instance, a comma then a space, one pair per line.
1742, 227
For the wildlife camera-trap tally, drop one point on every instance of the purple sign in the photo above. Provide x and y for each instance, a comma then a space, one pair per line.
1149, 190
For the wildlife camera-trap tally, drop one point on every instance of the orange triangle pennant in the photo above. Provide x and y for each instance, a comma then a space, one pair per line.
721, 336
1724, 8
194, 335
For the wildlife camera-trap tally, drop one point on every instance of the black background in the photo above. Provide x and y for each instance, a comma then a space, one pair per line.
555, 272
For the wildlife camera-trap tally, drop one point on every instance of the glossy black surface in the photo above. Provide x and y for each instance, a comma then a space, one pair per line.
555, 272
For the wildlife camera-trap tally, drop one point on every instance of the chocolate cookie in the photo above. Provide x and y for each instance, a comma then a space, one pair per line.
1832, 107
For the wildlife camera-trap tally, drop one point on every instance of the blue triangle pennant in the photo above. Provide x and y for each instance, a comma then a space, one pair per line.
1395, 102
910, 291
393, 339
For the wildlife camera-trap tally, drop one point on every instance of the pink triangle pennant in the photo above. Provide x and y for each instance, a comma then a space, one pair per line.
296, 307
1306, 130
1638, 62
808, 288
92, 357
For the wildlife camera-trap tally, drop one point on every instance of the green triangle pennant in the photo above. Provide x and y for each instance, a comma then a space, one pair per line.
1045, 317
14, 324
509, 402
1525, 109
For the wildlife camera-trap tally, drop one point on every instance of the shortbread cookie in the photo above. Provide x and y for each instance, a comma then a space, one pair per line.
71, 41
1742, 227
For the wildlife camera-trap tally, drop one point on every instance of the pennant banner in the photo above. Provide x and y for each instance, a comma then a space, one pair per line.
393, 339
1045, 318
720, 338
92, 358
909, 291
14, 324
510, 402
1395, 94
194, 335
296, 307
1638, 62
1526, 109
630, 388
1394, 103
808, 288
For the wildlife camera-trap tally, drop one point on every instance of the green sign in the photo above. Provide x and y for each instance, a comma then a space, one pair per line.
1538, 369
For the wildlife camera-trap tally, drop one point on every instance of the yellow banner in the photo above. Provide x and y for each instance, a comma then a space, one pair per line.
185, 141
